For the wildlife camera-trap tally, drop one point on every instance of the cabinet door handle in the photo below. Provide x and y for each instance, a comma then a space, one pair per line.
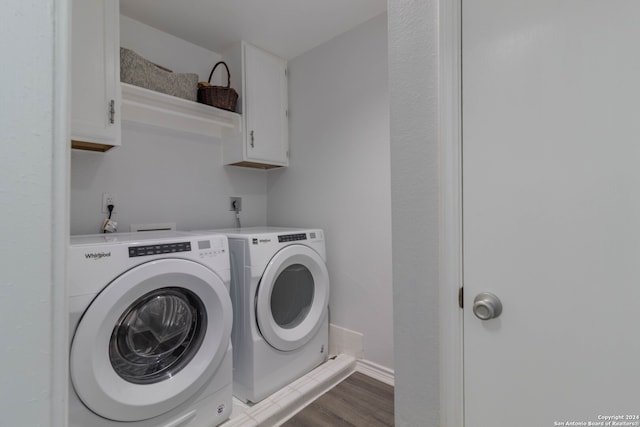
112, 111
252, 140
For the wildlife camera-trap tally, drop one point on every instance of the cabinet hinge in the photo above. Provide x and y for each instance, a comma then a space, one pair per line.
286, 113
461, 297
112, 111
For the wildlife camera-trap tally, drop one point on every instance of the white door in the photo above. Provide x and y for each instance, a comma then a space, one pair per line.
551, 211
95, 72
265, 106
292, 298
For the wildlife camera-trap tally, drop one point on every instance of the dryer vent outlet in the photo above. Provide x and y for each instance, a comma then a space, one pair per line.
235, 204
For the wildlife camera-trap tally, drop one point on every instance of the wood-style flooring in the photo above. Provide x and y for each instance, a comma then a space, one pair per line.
358, 401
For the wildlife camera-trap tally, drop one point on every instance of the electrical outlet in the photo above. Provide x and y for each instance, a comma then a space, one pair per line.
108, 199
235, 204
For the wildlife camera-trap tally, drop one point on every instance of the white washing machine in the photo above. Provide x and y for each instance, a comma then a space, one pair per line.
150, 321
280, 296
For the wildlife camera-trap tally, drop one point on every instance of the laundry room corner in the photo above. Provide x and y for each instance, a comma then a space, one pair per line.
339, 178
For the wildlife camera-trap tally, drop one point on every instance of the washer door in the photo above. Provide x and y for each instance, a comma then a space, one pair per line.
151, 339
292, 297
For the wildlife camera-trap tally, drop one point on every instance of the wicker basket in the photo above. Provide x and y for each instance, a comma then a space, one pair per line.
223, 97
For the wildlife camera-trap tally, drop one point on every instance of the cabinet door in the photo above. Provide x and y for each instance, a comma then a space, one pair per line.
95, 73
265, 107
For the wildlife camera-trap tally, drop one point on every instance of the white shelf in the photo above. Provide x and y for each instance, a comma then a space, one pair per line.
143, 106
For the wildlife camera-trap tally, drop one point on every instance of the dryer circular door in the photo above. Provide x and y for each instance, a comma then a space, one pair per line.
152, 338
292, 297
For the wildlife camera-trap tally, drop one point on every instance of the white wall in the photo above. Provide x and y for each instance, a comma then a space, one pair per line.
413, 76
33, 180
339, 176
163, 176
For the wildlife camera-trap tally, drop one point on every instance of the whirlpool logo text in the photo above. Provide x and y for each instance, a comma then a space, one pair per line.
97, 255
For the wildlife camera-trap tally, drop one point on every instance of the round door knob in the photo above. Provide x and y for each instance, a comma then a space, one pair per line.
487, 306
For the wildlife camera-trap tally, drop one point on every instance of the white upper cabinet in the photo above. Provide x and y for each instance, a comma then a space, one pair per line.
263, 102
95, 74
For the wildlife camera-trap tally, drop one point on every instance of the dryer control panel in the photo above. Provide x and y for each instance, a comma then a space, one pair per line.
292, 237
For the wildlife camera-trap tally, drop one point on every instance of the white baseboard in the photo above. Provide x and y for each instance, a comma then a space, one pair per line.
351, 343
345, 341
375, 371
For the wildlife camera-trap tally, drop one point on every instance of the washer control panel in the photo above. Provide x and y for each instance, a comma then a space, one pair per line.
211, 248
158, 249
203, 248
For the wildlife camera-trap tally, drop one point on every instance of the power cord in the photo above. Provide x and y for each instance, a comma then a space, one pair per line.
236, 209
109, 226
238, 219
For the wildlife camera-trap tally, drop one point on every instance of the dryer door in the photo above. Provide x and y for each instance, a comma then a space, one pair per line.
292, 297
151, 339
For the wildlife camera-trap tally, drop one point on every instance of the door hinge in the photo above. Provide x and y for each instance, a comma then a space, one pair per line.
461, 297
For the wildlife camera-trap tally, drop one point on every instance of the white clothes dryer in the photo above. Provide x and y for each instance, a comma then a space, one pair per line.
150, 321
280, 296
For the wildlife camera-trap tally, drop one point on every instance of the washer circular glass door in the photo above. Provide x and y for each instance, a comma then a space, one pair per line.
151, 339
292, 297
158, 335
